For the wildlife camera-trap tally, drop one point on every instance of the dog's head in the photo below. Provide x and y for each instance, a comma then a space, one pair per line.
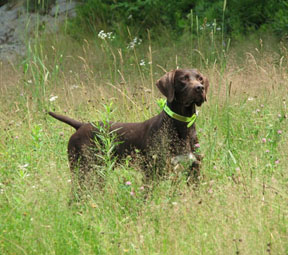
187, 86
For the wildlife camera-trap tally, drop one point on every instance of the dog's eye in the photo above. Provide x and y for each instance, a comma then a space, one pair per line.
185, 78
200, 78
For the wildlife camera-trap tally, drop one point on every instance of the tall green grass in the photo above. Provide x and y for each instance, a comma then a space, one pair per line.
240, 203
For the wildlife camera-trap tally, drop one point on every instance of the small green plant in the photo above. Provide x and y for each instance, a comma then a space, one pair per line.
105, 141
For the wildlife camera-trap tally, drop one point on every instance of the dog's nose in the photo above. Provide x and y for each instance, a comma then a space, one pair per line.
199, 88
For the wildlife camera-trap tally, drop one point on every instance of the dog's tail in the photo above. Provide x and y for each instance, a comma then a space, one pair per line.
74, 123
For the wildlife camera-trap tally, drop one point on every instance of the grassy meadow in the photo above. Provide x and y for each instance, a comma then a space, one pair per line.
239, 205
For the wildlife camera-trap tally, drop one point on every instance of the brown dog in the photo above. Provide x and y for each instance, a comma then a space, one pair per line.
184, 89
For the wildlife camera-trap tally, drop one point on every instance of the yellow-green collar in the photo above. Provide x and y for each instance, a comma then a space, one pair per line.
163, 105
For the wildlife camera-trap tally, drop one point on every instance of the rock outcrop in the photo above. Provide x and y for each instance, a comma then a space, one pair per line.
17, 26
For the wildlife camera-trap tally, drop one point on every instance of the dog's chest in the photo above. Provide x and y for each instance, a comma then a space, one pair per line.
174, 140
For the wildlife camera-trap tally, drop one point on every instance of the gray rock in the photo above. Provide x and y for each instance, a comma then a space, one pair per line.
63, 7
17, 26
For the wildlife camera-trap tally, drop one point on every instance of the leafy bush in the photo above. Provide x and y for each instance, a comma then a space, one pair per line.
240, 17
279, 18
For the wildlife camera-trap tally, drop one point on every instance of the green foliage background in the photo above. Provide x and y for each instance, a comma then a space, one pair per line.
241, 17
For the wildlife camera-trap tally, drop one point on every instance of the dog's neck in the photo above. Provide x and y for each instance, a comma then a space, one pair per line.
177, 128
180, 109
181, 128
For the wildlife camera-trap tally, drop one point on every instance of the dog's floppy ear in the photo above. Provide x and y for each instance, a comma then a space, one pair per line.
206, 86
166, 85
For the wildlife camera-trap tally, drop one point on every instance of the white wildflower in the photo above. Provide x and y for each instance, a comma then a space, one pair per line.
74, 87
142, 62
102, 35
53, 98
134, 42
23, 166
109, 35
